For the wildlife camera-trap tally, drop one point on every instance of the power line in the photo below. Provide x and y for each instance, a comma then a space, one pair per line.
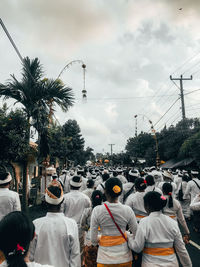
178, 68
191, 67
192, 92
166, 112
174, 114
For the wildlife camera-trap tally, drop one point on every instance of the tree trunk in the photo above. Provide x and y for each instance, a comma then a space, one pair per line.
25, 173
24, 188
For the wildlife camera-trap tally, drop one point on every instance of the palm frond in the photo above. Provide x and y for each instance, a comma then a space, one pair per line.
58, 93
32, 70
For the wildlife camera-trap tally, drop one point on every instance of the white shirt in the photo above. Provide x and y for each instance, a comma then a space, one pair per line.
126, 188
74, 204
88, 192
84, 184
101, 187
123, 216
176, 211
160, 185
64, 180
192, 189
122, 178
158, 230
9, 201
136, 202
153, 188
195, 204
56, 241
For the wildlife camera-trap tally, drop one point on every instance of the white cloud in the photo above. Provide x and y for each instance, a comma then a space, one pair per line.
130, 49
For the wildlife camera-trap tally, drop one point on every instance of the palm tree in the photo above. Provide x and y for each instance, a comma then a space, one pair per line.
38, 97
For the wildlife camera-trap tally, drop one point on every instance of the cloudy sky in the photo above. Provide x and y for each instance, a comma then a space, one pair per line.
130, 48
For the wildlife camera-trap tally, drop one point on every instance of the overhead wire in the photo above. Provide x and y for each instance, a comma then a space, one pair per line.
166, 111
191, 67
171, 117
178, 68
173, 105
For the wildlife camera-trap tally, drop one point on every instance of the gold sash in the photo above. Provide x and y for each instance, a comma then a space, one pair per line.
110, 241
159, 251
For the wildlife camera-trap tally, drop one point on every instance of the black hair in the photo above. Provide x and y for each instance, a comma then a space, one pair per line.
185, 178
105, 176
97, 198
115, 174
150, 180
3, 175
154, 201
80, 172
76, 179
90, 183
4, 185
16, 232
140, 184
109, 187
55, 190
167, 190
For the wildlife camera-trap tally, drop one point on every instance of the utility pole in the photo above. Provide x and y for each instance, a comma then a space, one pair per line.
111, 148
135, 125
181, 79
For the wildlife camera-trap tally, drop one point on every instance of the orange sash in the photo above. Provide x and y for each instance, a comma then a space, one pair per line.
139, 216
159, 251
110, 241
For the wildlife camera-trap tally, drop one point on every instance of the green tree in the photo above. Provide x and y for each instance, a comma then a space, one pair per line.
142, 146
37, 96
67, 143
191, 147
13, 145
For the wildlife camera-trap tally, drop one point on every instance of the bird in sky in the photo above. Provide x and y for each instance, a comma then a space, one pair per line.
180, 8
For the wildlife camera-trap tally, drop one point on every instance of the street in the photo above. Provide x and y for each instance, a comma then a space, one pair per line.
194, 251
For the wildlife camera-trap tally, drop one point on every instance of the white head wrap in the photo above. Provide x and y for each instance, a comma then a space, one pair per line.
50, 197
7, 180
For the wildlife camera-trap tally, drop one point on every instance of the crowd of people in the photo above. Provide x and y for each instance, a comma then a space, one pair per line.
103, 217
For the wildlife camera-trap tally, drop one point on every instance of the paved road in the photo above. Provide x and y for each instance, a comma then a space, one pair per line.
193, 251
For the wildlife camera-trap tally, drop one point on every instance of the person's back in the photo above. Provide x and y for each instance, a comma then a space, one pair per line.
135, 200
9, 200
74, 204
193, 186
173, 208
158, 236
121, 213
159, 230
56, 237
113, 248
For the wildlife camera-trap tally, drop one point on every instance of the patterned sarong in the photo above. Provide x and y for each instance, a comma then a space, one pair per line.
90, 256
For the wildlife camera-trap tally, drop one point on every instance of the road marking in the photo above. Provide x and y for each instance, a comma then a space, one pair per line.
194, 244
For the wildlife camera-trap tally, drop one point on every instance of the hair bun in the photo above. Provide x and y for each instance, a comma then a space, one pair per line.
116, 189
